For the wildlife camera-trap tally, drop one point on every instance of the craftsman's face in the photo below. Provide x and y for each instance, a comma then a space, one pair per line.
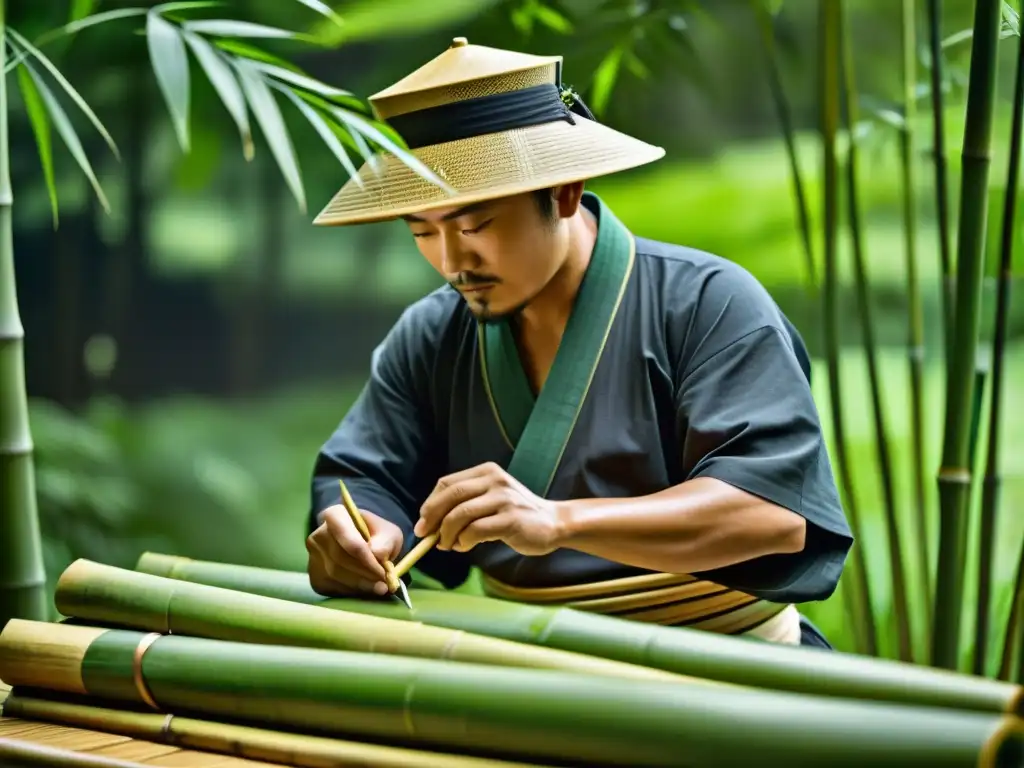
498, 254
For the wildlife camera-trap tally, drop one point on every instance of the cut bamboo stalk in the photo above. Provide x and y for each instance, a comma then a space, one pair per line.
676, 649
296, 749
522, 713
108, 595
22, 577
915, 332
16, 753
990, 488
954, 475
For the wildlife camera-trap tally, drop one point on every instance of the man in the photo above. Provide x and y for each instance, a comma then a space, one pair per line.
589, 417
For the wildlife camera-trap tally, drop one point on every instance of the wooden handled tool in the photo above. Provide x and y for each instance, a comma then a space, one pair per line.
394, 581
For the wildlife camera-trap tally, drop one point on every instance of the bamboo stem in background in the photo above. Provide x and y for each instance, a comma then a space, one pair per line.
991, 487
521, 713
915, 312
1014, 640
941, 179
244, 741
766, 24
954, 476
829, 84
675, 649
22, 577
16, 753
849, 91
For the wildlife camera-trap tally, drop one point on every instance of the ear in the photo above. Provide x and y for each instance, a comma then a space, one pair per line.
567, 199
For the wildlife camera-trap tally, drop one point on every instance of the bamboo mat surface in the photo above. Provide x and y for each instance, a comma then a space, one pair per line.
112, 746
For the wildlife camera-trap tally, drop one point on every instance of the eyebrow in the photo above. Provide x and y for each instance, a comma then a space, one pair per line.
471, 208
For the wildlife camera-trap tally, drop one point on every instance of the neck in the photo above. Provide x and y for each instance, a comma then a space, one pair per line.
549, 310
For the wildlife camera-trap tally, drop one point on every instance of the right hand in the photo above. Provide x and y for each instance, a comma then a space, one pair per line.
342, 563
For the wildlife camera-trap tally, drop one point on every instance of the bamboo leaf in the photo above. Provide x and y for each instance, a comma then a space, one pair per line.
184, 5
249, 51
324, 9
958, 37
308, 83
41, 128
223, 80
233, 28
170, 65
80, 9
379, 19
89, 21
67, 132
365, 127
552, 19
268, 114
604, 80
68, 88
1011, 20
323, 128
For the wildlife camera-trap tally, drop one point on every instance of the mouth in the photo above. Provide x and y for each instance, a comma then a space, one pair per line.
476, 288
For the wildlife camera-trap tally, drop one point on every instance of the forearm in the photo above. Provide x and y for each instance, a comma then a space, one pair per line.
699, 525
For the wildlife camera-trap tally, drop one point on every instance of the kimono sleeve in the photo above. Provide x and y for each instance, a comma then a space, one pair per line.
387, 448
747, 417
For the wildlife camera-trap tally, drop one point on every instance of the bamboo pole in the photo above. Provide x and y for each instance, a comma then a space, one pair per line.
859, 606
769, 52
17, 753
867, 330
521, 713
22, 578
990, 488
106, 594
941, 181
915, 322
954, 476
295, 749
676, 649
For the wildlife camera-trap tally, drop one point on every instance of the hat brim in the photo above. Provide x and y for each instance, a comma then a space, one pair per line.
487, 167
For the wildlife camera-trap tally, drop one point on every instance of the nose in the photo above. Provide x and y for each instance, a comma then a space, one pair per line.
455, 257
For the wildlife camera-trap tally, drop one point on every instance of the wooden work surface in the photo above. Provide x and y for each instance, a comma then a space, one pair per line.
114, 746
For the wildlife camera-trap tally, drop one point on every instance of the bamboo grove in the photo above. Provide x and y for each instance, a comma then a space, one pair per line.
968, 475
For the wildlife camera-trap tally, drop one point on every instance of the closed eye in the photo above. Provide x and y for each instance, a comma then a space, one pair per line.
479, 228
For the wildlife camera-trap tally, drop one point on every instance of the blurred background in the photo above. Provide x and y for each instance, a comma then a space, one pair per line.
188, 352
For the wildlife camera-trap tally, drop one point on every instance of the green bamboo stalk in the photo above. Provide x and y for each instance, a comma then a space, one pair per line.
778, 92
954, 476
519, 713
293, 749
941, 181
674, 649
860, 607
990, 488
22, 578
915, 312
867, 330
1014, 639
106, 594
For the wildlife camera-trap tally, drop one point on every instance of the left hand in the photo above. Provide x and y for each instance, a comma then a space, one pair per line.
485, 503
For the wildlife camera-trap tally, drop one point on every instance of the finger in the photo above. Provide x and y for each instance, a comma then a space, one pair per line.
328, 577
496, 527
385, 547
343, 532
467, 513
446, 497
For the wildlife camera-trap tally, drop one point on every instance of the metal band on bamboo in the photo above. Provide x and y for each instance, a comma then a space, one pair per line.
137, 677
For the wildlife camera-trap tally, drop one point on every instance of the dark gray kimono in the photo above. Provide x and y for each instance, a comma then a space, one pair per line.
675, 364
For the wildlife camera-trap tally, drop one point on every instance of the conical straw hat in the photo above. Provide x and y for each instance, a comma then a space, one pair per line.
489, 123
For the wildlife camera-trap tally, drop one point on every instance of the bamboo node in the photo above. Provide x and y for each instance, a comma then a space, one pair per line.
955, 475
137, 678
452, 643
